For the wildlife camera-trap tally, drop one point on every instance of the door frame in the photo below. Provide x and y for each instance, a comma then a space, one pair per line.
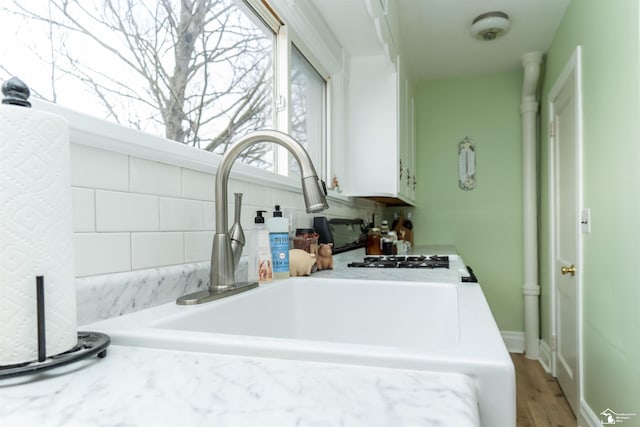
573, 66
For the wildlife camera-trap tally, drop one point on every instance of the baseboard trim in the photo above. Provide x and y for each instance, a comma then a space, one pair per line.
586, 417
513, 340
544, 356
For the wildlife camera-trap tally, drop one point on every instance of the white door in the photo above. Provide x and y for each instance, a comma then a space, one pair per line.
567, 223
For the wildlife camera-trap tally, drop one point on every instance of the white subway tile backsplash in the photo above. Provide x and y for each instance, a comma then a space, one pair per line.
84, 209
197, 246
259, 195
95, 168
156, 249
117, 211
247, 215
149, 177
287, 198
181, 214
235, 186
198, 185
134, 213
209, 210
305, 220
101, 253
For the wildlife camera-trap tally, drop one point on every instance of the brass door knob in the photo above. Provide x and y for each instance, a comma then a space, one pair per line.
569, 270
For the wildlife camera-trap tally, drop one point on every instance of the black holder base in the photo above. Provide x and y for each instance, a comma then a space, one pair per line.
89, 344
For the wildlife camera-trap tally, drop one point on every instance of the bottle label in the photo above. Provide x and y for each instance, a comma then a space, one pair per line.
279, 243
265, 267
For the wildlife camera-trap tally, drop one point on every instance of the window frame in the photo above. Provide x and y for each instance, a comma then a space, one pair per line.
307, 30
319, 152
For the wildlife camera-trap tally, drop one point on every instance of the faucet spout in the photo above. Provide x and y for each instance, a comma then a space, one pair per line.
225, 255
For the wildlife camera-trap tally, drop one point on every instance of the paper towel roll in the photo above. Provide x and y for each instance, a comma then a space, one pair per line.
35, 234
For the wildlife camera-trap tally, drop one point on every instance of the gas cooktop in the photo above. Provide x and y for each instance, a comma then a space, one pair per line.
403, 261
441, 262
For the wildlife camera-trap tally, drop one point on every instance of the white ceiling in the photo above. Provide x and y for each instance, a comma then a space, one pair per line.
435, 34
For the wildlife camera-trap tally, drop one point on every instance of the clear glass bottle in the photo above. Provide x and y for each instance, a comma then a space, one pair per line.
260, 262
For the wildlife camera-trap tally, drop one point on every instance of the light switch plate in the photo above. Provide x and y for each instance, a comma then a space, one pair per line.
585, 220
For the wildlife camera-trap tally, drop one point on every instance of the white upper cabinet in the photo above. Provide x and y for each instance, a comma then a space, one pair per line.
381, 136
377, 117
380, 145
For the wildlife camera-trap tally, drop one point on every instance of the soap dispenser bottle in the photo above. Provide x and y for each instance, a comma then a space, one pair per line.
261, 269
279, 242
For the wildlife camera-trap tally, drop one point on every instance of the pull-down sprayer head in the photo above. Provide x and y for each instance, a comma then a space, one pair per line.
313, 191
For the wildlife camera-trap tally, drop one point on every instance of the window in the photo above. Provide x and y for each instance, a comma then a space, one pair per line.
201, 73
198, 75
308, 109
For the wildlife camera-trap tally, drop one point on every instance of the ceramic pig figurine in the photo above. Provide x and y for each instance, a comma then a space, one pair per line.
325, 257
301, 263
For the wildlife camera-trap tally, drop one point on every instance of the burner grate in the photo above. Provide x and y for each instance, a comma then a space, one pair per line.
403, 261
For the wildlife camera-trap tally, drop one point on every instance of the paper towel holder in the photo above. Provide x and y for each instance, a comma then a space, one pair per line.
16, 93
89, 344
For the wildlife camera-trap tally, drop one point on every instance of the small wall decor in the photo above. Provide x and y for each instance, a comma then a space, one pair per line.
466, 164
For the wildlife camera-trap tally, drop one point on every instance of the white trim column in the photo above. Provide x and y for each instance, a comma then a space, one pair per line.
530, 289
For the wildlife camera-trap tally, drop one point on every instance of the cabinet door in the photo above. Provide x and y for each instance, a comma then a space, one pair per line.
412, 179
406, 137
372, 147
403, 137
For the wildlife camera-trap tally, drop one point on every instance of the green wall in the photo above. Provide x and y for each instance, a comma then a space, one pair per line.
485, 224
608, 32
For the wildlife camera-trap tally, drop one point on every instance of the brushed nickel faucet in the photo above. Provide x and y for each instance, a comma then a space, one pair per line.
227, 246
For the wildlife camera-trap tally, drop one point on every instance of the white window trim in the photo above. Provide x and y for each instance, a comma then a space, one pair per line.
307, 30
283, 95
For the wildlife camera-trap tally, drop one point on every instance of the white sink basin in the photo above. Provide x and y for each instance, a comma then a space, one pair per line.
320, 311
372, 313
443, 327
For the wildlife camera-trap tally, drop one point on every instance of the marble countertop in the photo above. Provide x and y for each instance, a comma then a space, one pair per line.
147, 387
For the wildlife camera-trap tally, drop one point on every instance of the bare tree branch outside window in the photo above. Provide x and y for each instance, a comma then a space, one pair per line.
198, 72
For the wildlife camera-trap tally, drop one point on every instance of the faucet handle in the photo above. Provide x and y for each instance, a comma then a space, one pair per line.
236, 234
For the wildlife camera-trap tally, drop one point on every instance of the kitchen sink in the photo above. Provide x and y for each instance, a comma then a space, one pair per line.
445, 327
320, 312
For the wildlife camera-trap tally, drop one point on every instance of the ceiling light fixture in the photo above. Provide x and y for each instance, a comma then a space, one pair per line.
490, 25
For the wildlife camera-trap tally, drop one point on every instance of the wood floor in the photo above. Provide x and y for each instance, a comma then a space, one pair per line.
540, 402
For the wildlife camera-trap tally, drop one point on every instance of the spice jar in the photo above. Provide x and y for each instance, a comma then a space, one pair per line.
373, 242
307, 240
387, 246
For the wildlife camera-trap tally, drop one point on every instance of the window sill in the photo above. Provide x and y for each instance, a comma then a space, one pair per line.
94, 132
